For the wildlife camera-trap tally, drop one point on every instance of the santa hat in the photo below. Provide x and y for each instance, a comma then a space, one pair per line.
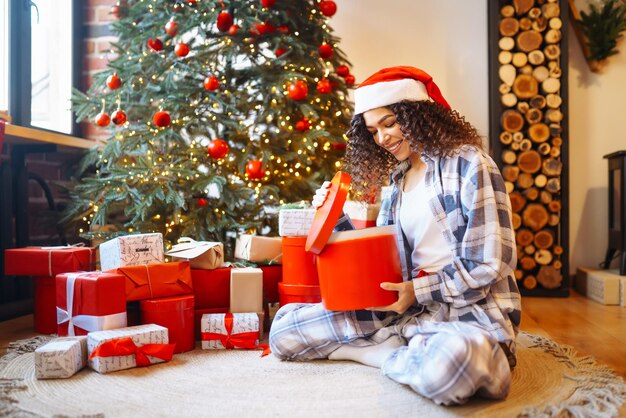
394, 84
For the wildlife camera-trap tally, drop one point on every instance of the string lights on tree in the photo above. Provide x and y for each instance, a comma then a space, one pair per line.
224, 111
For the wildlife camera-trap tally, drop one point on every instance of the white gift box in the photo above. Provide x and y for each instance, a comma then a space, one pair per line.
216, 324
361, 211
140, 334
200, 254
295, 222
131, 250
246, 290
61, 358
259, 249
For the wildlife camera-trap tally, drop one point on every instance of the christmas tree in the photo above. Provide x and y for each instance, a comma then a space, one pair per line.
218, 112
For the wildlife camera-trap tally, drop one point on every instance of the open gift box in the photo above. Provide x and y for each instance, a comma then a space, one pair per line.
351, 265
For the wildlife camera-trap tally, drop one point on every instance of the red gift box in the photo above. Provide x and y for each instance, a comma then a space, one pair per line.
176, 314
47, 261
211, 287
152, 281
271, 276
88, 302
197, 318
44, 312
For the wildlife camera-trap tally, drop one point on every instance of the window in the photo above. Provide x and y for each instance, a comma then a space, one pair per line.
4, 54
43, 62
51, 65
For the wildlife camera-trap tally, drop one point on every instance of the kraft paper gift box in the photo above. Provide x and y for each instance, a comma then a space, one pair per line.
362, 215
231, 330
131, 250
246, 290
295, 222
211, 288
88, 302
61, 358
125, 348
259, 249
47, 261
200, 254
156, 280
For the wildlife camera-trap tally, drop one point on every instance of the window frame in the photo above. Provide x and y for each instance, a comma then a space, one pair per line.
20, 46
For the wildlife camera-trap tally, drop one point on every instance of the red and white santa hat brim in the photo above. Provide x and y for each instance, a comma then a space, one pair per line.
394, 84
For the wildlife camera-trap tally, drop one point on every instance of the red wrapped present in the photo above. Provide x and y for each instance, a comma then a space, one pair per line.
44, 312
150, 281
174, 313
211, 287
47, 261
88, 302
271, 276
197, 318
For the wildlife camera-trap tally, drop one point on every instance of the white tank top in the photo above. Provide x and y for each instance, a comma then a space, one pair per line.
430, 250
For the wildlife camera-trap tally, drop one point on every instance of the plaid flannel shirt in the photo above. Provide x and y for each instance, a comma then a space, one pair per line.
469, 201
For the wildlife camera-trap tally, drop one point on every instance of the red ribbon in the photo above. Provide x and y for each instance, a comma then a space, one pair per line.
126, 347
245, 340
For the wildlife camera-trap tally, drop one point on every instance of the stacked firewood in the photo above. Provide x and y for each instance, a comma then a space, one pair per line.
530, 85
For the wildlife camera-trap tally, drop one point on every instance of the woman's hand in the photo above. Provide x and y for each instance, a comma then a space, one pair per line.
406, 297
320, 195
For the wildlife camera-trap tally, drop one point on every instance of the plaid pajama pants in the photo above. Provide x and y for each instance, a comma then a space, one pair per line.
447, 362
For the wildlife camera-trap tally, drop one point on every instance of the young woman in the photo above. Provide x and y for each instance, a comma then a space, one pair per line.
451, 333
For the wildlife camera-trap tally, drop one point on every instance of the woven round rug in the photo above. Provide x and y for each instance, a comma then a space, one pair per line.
549, 380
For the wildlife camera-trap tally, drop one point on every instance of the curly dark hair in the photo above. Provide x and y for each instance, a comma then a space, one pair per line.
428, 126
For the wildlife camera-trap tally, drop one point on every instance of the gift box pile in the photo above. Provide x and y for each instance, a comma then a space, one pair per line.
171, 301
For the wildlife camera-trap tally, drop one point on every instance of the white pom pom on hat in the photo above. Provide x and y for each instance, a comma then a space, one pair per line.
394, 84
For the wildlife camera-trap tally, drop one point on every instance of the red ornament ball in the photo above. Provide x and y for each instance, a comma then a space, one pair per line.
218, 148
114, 82
349, 79
337, 146
233, 30
119, 117
283, 29
303, 125
328, 8
224, 21
155, 44
268, 4
279, 52
323, 86
171, 28
202, 202
254, 170
326, 51
162, 119
103, 119
181, 49
120, 10
298, 90
211, 83
343, 70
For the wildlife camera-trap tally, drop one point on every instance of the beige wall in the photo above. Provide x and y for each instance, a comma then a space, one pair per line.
597, 112
448, 39
445, 38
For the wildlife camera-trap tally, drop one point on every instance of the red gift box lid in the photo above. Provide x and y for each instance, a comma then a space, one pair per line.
327, 215
168, 304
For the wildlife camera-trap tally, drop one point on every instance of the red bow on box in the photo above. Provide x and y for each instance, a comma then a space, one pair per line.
126, 347
240, 340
